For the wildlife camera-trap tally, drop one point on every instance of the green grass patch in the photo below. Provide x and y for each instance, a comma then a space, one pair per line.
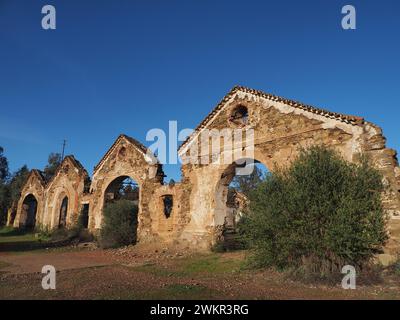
173, 291
203, 264
156, 270
11, 231
21, 238
212, 264
9, 235
19, 241
184, 291
4, 264
15, 240
6, 230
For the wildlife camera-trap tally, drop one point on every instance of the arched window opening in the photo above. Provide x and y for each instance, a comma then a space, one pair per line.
63, 213
122, 188
29, 210
240, 116
122, 152
85, 215
121, 209
232, 196
168, 205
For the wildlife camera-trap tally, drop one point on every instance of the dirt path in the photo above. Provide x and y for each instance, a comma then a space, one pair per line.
33, 262
144, 272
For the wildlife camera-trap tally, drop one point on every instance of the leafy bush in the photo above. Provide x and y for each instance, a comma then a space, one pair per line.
318, 215
396, 266
43, 233
75, 233
119, 224
60, 234
78, 231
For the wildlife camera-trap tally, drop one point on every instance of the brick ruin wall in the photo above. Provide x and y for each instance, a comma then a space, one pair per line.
280, 127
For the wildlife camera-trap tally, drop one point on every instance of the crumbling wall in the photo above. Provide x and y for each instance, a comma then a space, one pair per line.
385, 160
12, 213
35, 186
68, 181
168, 228
281, 128
126, 158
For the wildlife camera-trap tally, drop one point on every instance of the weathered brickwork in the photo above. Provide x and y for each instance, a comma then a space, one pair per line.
281, 127
34, 186
127, 157
68, 182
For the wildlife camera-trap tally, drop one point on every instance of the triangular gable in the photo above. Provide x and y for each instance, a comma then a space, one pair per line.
70, 159
353, 120
35, 174
147, 154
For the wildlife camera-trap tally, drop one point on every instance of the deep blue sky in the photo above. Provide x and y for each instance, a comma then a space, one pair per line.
116, 67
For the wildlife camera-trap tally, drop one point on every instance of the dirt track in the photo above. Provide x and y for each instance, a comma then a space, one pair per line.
149, 273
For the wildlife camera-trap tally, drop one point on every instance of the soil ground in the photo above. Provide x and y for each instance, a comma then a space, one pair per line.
153, 272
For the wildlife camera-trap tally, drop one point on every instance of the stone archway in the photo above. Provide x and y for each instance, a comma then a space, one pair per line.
280, 128
126, 158
229, 203
124, 188
33, 189
242, 167
62, 219
112, 191
59, 209
29, 211
63, 194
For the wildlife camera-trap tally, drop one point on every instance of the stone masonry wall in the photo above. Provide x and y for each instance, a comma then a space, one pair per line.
281, 128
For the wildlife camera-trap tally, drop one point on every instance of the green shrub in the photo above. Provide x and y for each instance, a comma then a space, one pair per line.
119, 224
43, 233
60, 234
78, 231
318, 215
73, 234
396, 266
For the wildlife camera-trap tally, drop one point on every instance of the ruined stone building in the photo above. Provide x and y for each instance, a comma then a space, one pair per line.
197, 206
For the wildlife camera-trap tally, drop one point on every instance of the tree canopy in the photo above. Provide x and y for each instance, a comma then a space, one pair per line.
247, 183
318, 215
53, 162
4, 171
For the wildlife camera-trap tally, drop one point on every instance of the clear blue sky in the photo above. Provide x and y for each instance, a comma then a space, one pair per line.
116, 67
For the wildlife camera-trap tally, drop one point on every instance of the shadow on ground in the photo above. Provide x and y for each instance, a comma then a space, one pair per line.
18, 240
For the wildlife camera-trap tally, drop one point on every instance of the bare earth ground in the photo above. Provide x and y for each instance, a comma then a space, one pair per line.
147, 272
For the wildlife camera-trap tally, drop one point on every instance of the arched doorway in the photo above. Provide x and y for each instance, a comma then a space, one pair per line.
122, 188
236, 183
126, 189
29, 210
62, 222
